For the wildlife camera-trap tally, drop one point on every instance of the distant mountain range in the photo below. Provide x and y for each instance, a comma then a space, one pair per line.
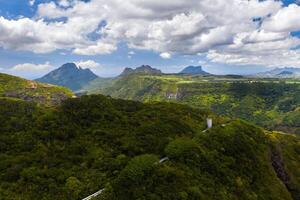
69, 75
194, 70
144, 69
287, 72
84, 80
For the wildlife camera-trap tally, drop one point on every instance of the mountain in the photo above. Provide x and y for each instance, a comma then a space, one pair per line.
194, 70
144, 69
97, 143
287, 72
70, 76
44, 94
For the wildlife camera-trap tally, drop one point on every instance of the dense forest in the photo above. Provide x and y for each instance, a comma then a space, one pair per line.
271, 103
72, 150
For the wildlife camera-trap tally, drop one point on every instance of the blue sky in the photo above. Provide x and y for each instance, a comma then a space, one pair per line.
127, 44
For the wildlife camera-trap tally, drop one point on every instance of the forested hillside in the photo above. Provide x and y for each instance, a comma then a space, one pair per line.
95, 142
271, 103
15, 87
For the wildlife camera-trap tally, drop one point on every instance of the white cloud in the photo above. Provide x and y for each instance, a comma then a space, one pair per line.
278, 58
285, 20
31, 2
91, 64
100, 48
30, 67
165, 55
216, 28
64, 3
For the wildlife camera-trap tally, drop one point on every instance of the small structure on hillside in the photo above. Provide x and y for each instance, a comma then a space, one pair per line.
209, 122
172, 95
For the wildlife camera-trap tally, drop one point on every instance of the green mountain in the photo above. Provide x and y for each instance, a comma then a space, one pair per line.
70, 76
95, 142
15, 87
265, 102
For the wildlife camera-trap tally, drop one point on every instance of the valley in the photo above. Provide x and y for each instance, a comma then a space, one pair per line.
268, 102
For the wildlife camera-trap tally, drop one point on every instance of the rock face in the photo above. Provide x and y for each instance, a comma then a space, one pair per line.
279, 168
70, 76
144, 69
50, 99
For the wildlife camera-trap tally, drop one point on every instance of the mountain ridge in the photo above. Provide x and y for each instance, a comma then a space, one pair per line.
144, 69
285, 72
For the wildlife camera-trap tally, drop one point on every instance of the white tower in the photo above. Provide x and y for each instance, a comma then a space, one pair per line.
209, 123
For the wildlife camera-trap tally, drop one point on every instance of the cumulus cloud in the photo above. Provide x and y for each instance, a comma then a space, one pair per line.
165, 55
31, 2
232, 31
285, 20
91, 64
30, 70
101, 47
64, 3
30, 67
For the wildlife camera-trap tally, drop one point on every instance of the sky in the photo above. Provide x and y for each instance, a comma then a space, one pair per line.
225, 37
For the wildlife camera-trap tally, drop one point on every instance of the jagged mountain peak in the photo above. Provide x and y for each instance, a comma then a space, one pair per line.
69, 75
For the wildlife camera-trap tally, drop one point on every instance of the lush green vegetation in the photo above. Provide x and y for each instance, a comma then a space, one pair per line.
75, 149
15, 87
271, 103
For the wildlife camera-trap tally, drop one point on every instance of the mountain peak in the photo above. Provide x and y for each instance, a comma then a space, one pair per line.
69, 65
69, 75
194, 70
144, 69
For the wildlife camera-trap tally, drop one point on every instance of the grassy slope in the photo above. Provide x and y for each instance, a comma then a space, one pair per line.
15, 87
93, 142
267, 103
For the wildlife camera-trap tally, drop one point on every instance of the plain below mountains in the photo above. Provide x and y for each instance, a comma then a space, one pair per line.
69, 75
